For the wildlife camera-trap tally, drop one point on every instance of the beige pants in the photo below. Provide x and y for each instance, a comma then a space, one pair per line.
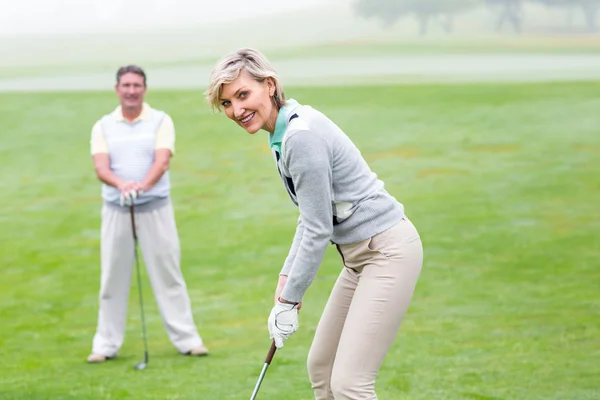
159, 245
364, 312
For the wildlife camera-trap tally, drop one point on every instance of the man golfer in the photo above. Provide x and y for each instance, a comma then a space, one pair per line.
131, 149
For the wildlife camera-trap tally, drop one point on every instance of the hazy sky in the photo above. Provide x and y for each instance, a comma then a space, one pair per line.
19, 17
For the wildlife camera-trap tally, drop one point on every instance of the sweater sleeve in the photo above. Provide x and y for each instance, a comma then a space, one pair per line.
289, 261
309, 161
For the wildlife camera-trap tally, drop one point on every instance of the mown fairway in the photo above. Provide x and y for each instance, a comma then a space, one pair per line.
502, 182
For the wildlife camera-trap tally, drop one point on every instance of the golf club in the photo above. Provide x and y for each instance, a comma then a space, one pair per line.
268, 360
143, 364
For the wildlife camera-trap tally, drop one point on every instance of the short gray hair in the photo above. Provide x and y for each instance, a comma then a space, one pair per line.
134, 69
229, 67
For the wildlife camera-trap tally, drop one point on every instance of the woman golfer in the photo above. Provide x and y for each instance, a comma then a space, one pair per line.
341, 201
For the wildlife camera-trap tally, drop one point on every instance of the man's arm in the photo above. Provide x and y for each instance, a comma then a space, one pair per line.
164, 149
159, 167
99, 150
104, 173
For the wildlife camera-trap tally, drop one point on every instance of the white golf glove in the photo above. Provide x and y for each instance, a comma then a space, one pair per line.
283, 322
128, 198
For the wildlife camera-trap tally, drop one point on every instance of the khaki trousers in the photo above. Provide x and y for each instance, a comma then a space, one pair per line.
364, 312
159, 245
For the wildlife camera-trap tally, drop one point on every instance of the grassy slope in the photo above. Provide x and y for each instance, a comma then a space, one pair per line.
501, 181
85, 61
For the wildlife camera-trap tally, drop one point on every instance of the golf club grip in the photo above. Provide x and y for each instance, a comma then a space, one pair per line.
271, 353
132, 212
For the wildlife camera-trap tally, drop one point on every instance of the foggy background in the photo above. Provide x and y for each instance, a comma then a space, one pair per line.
78, 44
78, 16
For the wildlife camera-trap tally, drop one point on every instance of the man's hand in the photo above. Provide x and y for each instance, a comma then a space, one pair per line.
129, 192
126, 186
142, 187
280, 286
283, 322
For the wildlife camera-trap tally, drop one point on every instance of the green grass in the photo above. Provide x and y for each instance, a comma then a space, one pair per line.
500, 180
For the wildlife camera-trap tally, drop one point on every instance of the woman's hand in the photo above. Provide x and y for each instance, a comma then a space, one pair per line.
280, 286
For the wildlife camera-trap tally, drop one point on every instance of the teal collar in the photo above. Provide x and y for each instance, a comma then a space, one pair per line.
276, 137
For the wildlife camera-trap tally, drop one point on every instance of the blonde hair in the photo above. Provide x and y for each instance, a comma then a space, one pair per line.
229, 67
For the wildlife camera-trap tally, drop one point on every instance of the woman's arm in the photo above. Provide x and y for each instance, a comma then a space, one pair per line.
309, 160
289, 260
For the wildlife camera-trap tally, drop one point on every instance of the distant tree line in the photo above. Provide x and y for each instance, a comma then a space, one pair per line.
507, 13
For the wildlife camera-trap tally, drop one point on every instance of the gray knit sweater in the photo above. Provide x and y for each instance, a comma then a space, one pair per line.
340, 199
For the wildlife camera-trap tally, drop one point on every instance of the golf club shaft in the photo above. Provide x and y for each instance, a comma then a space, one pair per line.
139, 282
268, 360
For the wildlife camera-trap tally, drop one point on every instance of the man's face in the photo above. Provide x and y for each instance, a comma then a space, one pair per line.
131, 90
